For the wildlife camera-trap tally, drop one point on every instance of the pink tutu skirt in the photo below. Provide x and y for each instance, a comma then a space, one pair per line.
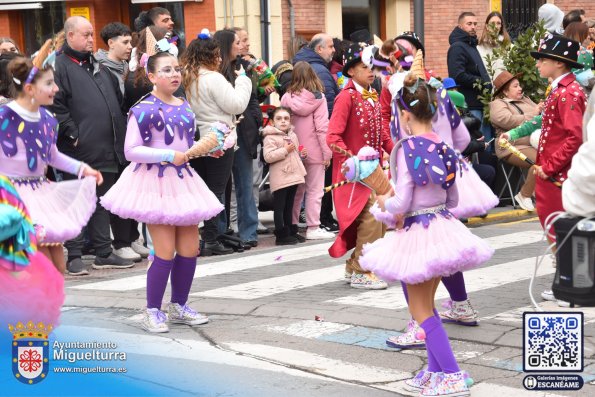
168, 200
475, 197
419, 254
62, 208
35, 293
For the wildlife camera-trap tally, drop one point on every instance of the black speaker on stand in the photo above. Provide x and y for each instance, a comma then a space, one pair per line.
574, 281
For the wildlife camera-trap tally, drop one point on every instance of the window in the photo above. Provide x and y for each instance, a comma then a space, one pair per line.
361, 14
520, 14
41, 24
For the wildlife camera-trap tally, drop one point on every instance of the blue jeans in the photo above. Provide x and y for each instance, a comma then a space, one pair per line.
246, 205
486, 128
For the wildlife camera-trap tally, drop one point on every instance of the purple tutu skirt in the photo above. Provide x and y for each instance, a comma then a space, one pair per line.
419, 254
62, 208
141, 194
475, 197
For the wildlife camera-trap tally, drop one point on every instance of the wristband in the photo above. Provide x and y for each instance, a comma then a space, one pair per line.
168, 156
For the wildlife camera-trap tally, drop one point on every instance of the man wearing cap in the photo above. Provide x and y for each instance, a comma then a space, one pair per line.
356, 123
466, 66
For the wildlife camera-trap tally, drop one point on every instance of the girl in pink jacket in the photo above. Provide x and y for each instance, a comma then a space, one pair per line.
281, 149
310, 119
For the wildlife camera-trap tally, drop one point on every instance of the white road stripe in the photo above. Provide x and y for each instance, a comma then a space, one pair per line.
321, 365
391, 298
213, 269
276, 285
178, 349
308, 329
475, 280
516, 315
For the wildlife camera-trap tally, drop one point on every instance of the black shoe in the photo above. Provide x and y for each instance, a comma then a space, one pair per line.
233, 242
266, 230
76, 267
251, 243
299, 238
112, 262
216, 248
288, 240
229, 231
331, 226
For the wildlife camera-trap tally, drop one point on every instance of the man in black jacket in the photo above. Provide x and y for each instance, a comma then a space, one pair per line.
466, 66
92, 129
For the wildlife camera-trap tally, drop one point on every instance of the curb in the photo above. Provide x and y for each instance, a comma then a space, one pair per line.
511, 215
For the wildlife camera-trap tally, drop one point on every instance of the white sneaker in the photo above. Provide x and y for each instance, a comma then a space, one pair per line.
367, 281
319, 234
412, 338
347, 277
420, 380
524, 202
154, 320
461, 313
128, 253
185, 315
140, 249
548, 295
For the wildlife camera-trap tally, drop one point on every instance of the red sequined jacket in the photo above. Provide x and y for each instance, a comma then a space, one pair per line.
562, 128
354, 123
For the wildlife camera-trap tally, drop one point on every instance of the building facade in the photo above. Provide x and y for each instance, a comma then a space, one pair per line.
270, 23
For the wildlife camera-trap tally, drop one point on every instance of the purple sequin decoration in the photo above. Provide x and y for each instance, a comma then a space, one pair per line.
152, 113
425, 219
430, 161
37, 136
34, 182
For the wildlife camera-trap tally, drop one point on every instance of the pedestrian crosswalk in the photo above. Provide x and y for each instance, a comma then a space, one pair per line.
328, 271
321, 271
305, 275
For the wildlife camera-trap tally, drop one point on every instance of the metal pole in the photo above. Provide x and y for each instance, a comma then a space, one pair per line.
231, 13
418, 19
291, 19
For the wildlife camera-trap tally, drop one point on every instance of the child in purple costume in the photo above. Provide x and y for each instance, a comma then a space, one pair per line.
28, 134
448, 124
160, 188
431, 243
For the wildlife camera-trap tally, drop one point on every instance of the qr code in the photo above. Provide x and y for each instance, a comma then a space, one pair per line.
553, 341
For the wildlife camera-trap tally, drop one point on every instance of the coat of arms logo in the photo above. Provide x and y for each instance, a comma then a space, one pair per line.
30, 351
